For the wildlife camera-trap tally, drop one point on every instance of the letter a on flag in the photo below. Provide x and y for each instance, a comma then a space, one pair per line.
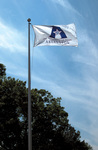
56, 35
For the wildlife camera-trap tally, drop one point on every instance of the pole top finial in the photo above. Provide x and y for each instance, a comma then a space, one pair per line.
29, 20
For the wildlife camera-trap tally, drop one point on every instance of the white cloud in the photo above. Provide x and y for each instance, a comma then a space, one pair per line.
67, 5
11, 39
88, 53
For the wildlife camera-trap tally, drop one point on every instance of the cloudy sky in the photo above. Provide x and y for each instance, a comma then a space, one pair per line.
67, 72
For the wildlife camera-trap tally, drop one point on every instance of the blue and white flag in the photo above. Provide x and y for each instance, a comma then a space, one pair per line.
56, 35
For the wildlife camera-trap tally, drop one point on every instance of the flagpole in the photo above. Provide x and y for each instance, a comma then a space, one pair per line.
29, 92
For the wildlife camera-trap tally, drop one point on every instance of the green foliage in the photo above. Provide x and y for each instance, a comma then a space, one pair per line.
12, 94
50, 125
2, 71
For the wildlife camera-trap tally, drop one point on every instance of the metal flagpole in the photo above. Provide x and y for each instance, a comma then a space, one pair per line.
29, 91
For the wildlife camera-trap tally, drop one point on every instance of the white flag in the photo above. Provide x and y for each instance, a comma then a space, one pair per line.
56, 35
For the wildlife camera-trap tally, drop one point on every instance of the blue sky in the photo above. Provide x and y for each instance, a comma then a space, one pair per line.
67, 72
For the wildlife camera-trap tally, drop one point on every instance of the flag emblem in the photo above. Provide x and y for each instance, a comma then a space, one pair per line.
57, 33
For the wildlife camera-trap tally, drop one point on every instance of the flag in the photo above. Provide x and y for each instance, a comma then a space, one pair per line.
55, 35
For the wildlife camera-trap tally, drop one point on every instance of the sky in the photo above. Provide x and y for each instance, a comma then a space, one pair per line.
67, 72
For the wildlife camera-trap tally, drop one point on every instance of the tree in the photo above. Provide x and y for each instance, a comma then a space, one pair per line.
2, 70
12, 95
50, 125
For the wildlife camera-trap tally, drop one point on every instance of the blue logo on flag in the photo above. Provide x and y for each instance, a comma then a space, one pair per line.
57, 32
